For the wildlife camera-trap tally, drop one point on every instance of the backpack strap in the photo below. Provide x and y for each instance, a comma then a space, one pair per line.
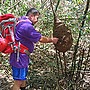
21, 48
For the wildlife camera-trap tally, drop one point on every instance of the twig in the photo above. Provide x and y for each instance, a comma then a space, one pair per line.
61, 63
65, 64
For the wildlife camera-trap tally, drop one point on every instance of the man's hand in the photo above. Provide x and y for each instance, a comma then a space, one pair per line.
54, 40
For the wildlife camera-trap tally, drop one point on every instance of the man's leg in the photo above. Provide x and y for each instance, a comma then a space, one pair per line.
17, 85
23, 85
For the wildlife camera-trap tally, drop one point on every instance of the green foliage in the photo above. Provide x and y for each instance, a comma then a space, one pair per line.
78, 1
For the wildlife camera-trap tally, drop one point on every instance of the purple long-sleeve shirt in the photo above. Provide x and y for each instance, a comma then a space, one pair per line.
27, 35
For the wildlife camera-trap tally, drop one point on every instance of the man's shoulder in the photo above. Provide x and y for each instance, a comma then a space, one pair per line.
24, 19
24, 23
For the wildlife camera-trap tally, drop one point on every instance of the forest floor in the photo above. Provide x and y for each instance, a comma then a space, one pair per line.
6, 80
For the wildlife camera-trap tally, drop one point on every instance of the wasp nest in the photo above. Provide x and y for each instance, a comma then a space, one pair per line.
64, 34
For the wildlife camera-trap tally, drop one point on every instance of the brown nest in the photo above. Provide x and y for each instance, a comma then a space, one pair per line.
64, 34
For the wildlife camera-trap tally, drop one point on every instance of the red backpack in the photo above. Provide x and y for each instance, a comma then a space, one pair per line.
8, 44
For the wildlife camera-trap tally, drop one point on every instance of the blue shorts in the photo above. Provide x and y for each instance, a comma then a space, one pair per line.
19, 73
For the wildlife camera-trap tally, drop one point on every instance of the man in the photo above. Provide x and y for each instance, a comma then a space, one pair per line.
26, 34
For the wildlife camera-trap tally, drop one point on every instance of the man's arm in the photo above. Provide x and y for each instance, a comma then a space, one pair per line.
48, 40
